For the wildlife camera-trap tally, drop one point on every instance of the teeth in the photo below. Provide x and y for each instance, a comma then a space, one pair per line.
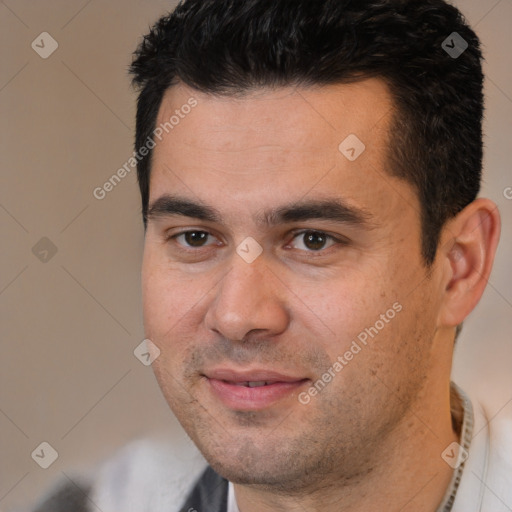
255, 384
252, 384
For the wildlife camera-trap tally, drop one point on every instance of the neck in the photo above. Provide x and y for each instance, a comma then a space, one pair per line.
409, 473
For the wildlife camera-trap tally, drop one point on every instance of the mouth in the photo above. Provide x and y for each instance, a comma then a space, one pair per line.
253, 384
252, 390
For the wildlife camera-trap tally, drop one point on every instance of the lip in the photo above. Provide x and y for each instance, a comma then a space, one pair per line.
225, 383
255, 375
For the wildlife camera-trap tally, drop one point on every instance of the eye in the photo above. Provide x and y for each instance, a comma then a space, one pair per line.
309, 240
315, 240
192, 239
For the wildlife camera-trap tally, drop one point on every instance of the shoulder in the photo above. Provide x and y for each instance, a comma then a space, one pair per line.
66, 497
485, 483
497, 473
146, 475
209, 493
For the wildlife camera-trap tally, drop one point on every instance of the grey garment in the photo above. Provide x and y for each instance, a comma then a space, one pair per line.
210, 494
69, 497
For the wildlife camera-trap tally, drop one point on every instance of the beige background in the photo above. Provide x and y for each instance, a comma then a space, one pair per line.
69, 326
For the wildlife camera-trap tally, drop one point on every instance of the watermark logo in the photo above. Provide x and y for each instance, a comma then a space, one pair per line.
44, 45
45, 455
249, 249
454, 45
44, 250
352, 147
146, 352
454, 455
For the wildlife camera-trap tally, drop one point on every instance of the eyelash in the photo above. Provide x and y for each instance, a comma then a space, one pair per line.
295, 234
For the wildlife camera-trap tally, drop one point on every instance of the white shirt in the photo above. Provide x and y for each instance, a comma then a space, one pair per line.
232, 506
486, 484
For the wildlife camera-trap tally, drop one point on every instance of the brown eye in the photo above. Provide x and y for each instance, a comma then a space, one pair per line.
196, 238
311, 241
314, 240
192, 238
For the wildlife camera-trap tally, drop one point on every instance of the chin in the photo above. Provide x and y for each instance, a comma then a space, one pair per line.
259, 476
252, 466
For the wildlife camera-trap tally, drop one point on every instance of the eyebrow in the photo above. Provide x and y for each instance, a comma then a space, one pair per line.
332, 209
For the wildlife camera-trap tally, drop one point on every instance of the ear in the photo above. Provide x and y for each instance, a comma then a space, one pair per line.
467, 250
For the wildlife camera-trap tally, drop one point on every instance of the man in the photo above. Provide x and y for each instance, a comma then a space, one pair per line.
309, 173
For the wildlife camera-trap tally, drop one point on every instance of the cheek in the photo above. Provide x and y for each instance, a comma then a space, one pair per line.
167, 303
350, 304
374, 323
166, 295
174, 303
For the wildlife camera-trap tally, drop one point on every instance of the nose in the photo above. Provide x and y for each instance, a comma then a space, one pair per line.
249, 298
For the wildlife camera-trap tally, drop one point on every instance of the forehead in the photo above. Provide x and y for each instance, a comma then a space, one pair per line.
270, 145
301, 118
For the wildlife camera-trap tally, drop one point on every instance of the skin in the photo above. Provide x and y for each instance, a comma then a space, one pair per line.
372, 438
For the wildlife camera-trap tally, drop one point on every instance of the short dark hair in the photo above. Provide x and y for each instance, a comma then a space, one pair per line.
229, 47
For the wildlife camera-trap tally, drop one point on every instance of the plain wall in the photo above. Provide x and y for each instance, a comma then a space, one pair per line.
69, 326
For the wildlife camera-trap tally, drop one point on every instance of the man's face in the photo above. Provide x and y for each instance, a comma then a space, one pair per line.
341, 284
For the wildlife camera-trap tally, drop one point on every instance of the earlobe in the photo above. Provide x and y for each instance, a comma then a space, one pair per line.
468, 249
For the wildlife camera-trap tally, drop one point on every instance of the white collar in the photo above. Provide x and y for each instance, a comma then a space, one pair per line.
232, 506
